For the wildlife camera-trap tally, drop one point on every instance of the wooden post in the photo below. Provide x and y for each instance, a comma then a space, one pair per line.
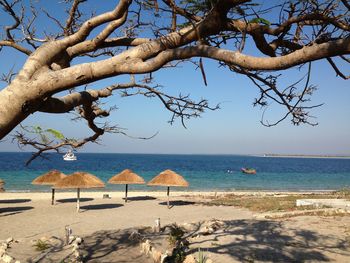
168, 197
157, 225
126, 193
78, 199
67, 234
53, 196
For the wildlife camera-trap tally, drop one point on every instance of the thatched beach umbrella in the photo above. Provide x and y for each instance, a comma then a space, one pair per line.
126, 177
79, 180
168, 178
49, 178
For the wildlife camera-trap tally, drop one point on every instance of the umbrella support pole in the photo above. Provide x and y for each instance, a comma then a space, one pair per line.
126, 193
78, 199
167, 193
53, 196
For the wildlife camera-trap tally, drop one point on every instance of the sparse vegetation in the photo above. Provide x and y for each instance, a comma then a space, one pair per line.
260, 204
343, 193
275, 203
178, 242
175, 235
41, 245
201, 257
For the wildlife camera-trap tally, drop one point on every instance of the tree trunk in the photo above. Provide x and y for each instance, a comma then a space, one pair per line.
14, 108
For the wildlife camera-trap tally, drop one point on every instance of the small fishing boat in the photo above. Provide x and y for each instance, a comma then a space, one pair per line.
248, 170
69, 156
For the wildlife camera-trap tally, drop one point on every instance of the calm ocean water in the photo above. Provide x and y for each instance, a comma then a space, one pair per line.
204, 172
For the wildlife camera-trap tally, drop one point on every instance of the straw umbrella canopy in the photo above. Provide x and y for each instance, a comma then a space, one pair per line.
168, 178
49, 178
79, 180
126, 177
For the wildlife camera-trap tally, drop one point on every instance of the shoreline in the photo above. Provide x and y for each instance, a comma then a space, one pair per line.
179, 191
173, 190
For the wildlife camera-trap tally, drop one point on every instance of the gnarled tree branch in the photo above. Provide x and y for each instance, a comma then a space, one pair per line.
143, 37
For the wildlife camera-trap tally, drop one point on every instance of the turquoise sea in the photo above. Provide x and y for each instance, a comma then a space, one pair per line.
203, 172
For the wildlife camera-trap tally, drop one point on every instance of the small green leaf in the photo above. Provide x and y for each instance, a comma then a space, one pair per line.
260, 20
56, 133
37, 129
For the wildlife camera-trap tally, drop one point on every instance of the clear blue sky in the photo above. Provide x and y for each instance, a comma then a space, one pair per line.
234, 129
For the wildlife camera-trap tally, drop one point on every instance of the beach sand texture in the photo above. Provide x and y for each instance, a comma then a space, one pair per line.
105, 225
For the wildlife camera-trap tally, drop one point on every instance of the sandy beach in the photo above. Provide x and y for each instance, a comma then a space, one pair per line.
28, 217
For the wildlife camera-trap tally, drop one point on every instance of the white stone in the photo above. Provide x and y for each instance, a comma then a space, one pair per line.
2, 251
189, 226
146, 247
6, 258
336, 203
75, 246
78, 240
204, 230
71, 239
164, 257
4, 245
301, 202
156, 255
209, 227
9, 240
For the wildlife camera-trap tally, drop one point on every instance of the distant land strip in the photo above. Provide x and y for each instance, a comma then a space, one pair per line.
306, 156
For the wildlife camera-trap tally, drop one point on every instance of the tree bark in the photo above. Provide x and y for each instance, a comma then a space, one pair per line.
14, 108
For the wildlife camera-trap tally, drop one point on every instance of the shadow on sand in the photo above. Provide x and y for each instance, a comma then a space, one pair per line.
178, 203
240, 240
99, 206
73, 200
14, 201
113, 246
140, 198
101, 246
253, 240
7, 211
55, 253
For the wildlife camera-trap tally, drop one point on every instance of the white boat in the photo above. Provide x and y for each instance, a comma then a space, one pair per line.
69, 156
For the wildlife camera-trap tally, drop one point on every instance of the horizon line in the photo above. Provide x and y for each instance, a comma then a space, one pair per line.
238, 154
